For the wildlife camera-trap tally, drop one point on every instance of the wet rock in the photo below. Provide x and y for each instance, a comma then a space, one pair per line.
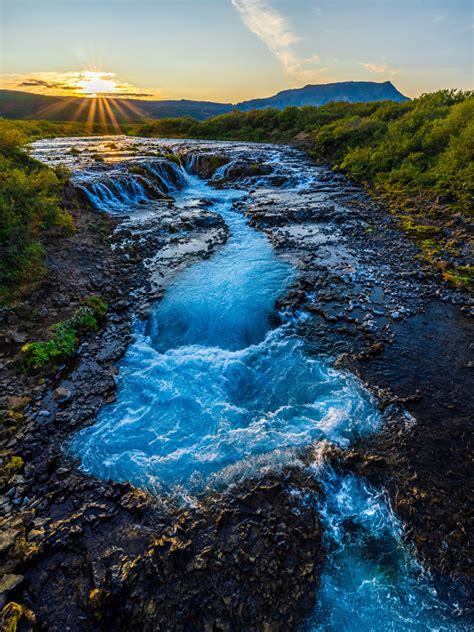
7, 539
62, 394
18, 403
203, 164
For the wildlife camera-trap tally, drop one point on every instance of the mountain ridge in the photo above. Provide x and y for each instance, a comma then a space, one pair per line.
27, 105
320, 94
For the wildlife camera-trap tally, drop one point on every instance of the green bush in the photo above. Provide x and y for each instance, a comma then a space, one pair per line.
97, 305
65, 336
30, 203
63, 344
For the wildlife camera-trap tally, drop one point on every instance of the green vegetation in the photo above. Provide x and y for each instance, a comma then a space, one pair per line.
173, 158
65, 336
15, 464
30, 202
30, 195
418, 154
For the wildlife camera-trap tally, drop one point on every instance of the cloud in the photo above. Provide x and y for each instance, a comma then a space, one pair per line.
127, 94
75, 83
380, 69
275, 32
41, 83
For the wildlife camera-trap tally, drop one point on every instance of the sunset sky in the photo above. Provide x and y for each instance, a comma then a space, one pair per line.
230, 50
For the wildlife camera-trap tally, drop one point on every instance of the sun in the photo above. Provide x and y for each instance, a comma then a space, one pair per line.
92, 84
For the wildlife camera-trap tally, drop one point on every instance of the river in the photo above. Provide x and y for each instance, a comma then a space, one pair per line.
216, 386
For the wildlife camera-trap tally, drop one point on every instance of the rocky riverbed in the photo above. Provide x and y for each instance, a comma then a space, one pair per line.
81, 553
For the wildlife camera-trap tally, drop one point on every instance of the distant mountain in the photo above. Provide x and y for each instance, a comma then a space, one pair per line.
350, 91
26, 105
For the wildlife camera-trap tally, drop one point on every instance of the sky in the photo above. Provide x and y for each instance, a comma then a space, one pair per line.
232, 50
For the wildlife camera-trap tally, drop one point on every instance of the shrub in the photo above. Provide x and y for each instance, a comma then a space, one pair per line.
15, 464
173, 158
65, 336
97, 304
30, 195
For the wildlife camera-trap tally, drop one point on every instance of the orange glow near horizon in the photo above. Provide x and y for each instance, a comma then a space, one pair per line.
90, 83
103, 100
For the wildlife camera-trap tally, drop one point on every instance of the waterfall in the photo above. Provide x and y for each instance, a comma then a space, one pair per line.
121, 188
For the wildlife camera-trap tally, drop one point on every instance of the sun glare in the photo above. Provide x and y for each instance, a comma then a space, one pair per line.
94, 83
107, 101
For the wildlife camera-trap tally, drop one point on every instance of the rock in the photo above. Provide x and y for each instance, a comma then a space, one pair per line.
227, 545
9, 582
62, 394
19, 337
7, 539
43, 311
18, 403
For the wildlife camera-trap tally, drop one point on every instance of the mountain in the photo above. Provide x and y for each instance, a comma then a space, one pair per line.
350, 91
26, 105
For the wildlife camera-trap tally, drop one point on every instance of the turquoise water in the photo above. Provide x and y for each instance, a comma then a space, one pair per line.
371, 582
207, 383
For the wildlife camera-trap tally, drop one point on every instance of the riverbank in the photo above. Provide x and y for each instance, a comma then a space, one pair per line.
88, 554
415, 156
75, 549
385, 315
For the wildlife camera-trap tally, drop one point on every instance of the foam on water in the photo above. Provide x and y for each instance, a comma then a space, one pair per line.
207, 384
371, 581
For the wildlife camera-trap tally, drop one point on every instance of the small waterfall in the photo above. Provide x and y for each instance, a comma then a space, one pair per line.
221, 172
191, 161
116, 194
130, 184
169, 176
203, 164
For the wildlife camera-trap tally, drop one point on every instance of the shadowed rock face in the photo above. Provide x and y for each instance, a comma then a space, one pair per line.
247, 561
203, 164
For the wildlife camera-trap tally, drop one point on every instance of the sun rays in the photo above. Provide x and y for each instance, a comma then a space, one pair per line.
107, 113
99, 113
99, 99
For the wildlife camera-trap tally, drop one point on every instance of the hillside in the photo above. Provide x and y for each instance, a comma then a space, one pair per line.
23, 105
26, 105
